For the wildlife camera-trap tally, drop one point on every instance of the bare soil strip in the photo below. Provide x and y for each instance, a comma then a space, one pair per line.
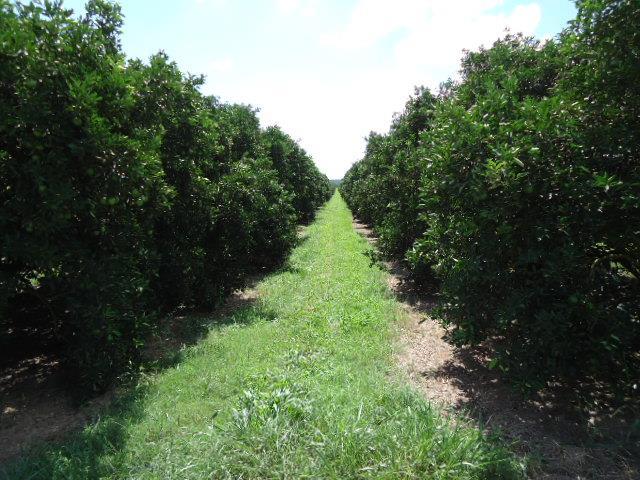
562, 439
35, 404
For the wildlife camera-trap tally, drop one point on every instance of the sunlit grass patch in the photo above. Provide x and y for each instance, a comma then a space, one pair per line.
299, 389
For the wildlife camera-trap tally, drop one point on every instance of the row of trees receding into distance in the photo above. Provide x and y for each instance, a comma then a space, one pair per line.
517, 188
125, 192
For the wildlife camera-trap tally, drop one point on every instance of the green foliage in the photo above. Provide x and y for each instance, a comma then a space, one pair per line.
124, 190
294, 386
295, 168
383, 188
529, 181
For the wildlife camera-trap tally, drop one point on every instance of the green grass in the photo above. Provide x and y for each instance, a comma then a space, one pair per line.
298, 385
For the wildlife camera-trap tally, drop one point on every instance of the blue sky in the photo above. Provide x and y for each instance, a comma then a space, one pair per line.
327, 71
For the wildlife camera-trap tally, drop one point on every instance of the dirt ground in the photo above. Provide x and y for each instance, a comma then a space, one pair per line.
560, 437
35, 405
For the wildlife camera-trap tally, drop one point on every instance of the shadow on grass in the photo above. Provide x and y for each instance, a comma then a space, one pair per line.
90, 447
83, 454
419, 293
180, 330
39, 417
570, 430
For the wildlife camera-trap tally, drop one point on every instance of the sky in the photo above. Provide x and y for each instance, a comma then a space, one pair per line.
327, 72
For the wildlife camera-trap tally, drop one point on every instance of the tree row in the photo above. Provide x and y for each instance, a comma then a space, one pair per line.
125, 192
516, 190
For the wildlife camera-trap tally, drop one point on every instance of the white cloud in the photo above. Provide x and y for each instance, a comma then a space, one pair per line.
306, 8
428, 39
437, 41
310, 8
330, 109
431, 31
329, 117
215, 3
372, 20
287, 6
223, 65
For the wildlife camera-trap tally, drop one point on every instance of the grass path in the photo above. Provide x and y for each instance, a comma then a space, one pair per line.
295, 385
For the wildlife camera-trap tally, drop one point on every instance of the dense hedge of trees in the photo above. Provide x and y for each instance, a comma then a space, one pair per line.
124, 191
518, 189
